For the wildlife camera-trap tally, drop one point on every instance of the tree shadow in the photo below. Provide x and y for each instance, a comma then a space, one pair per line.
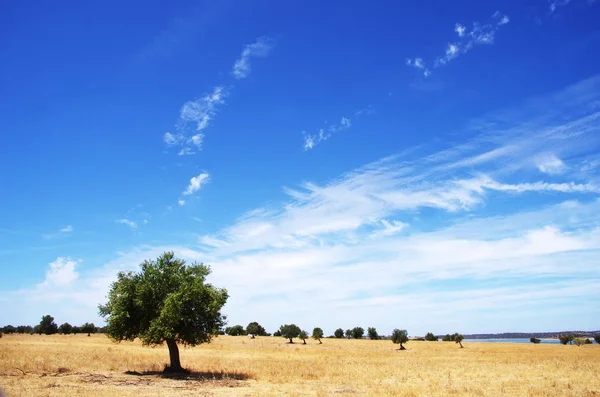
199, 376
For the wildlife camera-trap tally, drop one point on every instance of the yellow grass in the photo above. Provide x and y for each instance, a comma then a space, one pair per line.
238, 366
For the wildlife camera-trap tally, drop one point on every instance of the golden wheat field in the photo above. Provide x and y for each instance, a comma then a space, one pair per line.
77, 365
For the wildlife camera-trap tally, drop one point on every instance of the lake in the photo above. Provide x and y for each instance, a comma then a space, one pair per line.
513, 340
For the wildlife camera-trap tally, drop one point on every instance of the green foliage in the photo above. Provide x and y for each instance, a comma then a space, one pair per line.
236, 330
357, 332
65, 329
348, 333
372, 333
290, 331
255, 329
458, 338
339, 333
317, 334
566, 338
448, 338
581, 341
597, 338
76, 330
400, 336
277, 333
535, 340
303, 335
431, 337
24, 329
8, 329
37, 330
167, 301
88, 328
47, 325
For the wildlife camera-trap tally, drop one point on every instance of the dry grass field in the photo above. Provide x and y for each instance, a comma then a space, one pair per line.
57, 365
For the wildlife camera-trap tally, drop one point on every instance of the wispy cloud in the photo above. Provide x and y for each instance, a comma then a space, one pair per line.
312, 140
194, 186
550, 164
128, 222
63, 232
467, 39
554, 5
259, 49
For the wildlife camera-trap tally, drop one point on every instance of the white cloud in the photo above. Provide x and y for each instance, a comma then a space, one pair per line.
181, 202
127, 222
196, 183
311, 140
201, 111
261, 48
173, 139
63, 232
550, 164
61, 272
467, 40
390, 228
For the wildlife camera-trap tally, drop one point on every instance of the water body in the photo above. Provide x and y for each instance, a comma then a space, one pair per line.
513, 340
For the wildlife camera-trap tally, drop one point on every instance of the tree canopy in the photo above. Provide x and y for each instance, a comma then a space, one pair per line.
317, 334
47, 325
290, 331
431, 337
372, 333
255, 329
458, 338
166, 301
88, 328
236, 330
65, 329
597, 338
339, 333
358, 332
566, 338
400, 336
303, 335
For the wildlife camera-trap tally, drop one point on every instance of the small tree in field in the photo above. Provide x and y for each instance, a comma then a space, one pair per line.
167, 301
372, 333
535, 340
65, 329
88, 328
255, 329
317, 334
290, 331
358, 332
236, 330
400, 336
47, 325
597, 338
458, 338
303, 335
9, 329
566, 338
431, 337
339, 333
348, 333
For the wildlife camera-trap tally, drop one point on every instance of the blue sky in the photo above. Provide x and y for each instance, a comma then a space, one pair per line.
424, 165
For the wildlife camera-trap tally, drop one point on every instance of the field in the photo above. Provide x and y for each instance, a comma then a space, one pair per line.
77, 365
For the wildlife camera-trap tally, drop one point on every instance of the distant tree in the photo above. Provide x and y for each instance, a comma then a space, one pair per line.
597, 338
290, 331
65, 329
303, 335
431, 337
458, 338
24, 329
88, 328
348, 333
339, 333
47, 325
37, 330
580, 341
448, 338
9, 329
358, 332
566, 338
317, 334
167, 301
236, 330
535, 340
400, 336
372, 332
76, 330
255, 329
277, 333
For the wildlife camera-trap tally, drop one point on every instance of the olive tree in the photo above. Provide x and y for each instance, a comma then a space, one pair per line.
166, 301
255, 329
65, 329
400, 336
431, 337
372, 332
290, 331
47, 325
317, 334
566, 338
88, 328
458, 338
339, 333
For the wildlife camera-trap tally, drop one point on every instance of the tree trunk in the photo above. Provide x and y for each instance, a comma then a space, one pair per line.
320, 343
174, 356
401, 347
304, 341
291, 340
461, 346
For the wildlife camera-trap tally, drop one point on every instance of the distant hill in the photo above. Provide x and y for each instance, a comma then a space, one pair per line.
512, 335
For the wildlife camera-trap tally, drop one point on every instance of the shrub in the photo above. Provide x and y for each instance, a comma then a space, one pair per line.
236, 330
448, 338
431, 337
534, 340
277, 333
581, 341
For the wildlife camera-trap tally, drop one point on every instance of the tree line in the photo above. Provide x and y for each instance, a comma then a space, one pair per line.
47, 326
